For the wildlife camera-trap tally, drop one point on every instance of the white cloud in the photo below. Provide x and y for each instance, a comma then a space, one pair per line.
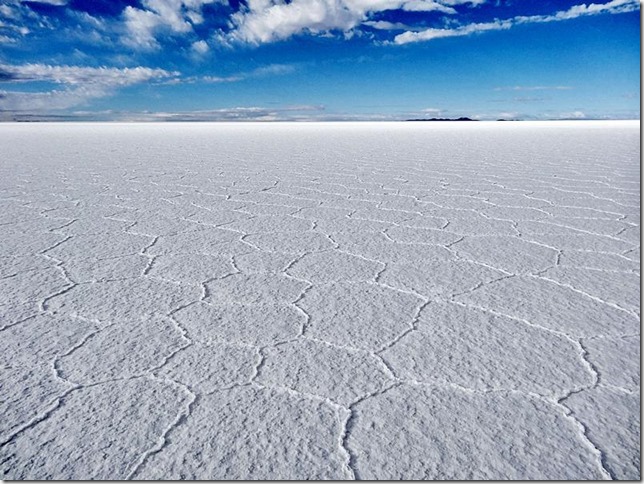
509, 115
8, 12
140, 25
424, 6
272, 70
58, 3
81, 84
271, 20
460, 2
384, 25
573, 115
75, 75
533, 88
263, 71
216, 79
280, 21
615, 6
240, 113
200, 47
612, 7
14, 20
174, 16
525, 99
369, 6
258, 21
37, 102
430, 34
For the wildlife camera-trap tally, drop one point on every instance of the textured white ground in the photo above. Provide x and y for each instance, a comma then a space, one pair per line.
282, 301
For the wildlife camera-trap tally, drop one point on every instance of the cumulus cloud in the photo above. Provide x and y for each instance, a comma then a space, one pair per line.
265, 21
200, 47
173, 16
79, 84
612, 7
140, 25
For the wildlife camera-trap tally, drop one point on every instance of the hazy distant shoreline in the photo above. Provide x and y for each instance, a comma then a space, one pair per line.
312, 121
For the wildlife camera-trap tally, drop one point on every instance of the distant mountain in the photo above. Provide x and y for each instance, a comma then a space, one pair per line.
443, 119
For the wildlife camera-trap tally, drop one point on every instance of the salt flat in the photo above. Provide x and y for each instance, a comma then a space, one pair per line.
320, 301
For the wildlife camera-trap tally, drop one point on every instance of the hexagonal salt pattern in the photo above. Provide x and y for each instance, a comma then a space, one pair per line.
382, 301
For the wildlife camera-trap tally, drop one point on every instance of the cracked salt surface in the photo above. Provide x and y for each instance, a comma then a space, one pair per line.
320, 301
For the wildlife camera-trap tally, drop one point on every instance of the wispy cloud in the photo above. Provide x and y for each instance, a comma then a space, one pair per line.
430, 34
209, 79
238, 113
573, 115
4, 39
14, 21
75, 75
272, 70
79, 84
259, 72
58, 3
533, 88
435, 111
612, 7
384, 25
529, 99
48, 101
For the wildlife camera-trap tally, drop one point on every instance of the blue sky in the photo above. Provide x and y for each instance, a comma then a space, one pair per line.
318, 59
